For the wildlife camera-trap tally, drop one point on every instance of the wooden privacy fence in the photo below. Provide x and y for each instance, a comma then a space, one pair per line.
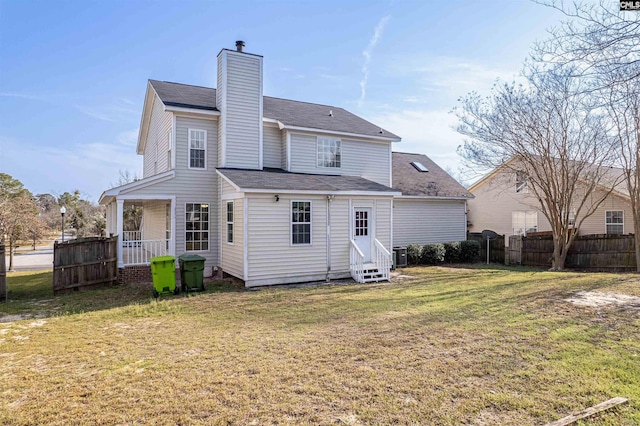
3, 276
613, 253
496, 247
84, 262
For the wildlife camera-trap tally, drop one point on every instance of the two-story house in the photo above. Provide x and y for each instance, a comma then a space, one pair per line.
268, 190
504, 203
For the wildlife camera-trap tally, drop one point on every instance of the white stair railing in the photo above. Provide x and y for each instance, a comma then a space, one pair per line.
383, 260
356, 261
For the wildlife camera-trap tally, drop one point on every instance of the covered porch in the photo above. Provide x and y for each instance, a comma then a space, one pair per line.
144, 223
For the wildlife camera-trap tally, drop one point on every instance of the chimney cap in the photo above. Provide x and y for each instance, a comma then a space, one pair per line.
240, 45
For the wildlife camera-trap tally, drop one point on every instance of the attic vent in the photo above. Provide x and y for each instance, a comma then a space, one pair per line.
419, 166
330, 113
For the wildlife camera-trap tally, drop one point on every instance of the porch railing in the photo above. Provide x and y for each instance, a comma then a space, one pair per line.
139, 252
356, 259
131, 236
383, 260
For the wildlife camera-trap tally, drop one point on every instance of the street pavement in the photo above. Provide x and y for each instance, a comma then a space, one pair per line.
39, 259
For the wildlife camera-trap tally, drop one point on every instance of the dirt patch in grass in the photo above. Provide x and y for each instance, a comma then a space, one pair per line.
599, 299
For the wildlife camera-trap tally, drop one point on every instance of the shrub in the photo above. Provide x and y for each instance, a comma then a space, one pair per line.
414, 254
469, 251
452, 252
432, 254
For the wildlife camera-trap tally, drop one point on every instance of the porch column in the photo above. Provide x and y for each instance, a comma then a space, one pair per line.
119, 228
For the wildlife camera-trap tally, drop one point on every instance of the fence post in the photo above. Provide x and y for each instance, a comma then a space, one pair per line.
3, 275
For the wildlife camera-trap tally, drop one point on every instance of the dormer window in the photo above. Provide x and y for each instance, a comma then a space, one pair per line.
329, 152
419, 166
522, 183
197, 149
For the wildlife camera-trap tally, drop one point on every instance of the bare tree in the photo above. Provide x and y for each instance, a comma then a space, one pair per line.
546, 133
17, 210
603, 45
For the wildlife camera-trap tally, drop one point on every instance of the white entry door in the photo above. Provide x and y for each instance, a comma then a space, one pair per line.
362, 230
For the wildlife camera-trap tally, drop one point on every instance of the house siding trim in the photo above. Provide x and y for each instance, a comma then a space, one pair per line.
245, 239
335, 132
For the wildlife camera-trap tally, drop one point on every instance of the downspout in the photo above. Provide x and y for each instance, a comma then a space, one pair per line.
329, 198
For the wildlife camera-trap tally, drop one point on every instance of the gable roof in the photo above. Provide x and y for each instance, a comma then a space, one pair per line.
611, 176
434, 183
289, 113
271, 179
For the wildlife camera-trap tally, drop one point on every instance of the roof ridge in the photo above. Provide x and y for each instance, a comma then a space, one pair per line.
264, 96
410, 153
183, 84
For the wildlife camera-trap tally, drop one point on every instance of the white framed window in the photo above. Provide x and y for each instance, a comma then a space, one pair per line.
614, 220
572, 218
169, 149
329, 152
197, 227
300, 223
522, 182
197, 149
524, 222
230, 222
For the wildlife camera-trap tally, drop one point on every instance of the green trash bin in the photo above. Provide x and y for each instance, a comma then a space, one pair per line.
192, 272
163, 271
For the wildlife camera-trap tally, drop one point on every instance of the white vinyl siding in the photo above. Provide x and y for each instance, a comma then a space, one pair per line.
190, 185
154, 161
423, 221
232, 255
154, 215
271, 255
241, 107
370, 160
273, 259
272, 147
197, 147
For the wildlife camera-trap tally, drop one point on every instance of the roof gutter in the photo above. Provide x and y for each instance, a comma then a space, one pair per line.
283, 126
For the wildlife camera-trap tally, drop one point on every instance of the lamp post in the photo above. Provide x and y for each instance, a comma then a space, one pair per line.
63, 210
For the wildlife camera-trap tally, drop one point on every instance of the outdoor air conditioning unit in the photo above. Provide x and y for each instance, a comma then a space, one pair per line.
399, 257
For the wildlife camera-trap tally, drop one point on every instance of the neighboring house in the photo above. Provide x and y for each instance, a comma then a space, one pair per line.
504, 204
433, 205
268, 190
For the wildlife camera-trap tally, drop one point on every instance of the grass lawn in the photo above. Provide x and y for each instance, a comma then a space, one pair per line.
450, 346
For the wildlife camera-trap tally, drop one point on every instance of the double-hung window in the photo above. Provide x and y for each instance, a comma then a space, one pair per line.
522, 182
524, 222
301, 222
615, 222
230, 222
329, 152
197, 149
197, 227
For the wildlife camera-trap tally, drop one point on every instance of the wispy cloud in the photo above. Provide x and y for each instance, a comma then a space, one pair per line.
89, 167
377, 34
22, 96
93, 113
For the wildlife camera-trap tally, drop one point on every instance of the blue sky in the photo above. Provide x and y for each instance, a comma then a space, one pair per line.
73, 73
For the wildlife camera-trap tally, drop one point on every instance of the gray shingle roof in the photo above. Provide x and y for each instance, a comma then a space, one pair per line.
435, 182
288, 112
280, 180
